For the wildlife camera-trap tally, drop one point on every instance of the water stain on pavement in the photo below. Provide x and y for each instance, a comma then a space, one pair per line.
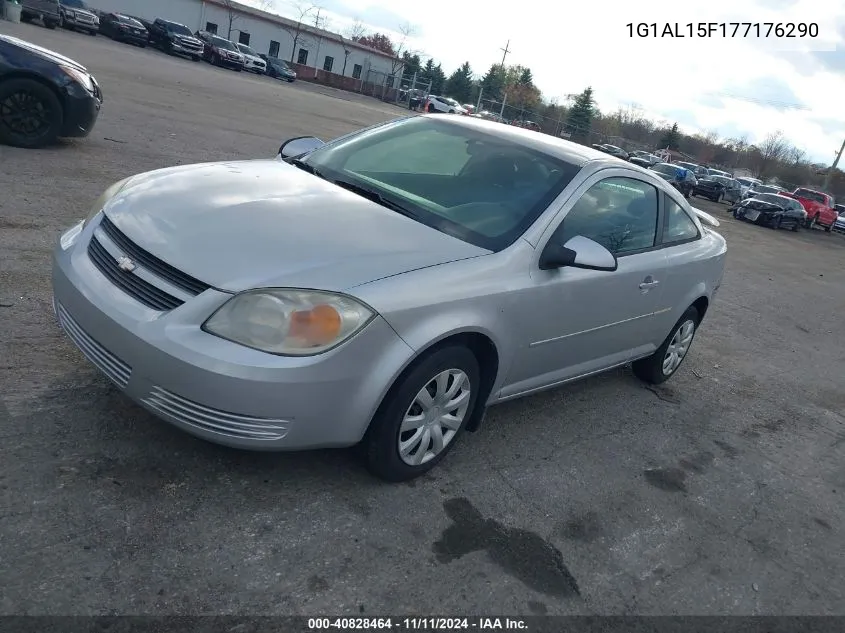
670, 479
521, 554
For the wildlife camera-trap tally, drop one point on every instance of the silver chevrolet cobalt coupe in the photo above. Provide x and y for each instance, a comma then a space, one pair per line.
384, 288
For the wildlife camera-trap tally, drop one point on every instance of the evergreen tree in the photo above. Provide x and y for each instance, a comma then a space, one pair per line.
493, 83
412, 64
671, 138
459, 84
525, 77
581, 114
438, 79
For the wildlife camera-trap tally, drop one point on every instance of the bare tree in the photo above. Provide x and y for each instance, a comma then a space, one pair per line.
355, 31
401, 46
796, 156
302, 10
232, 15
773, 149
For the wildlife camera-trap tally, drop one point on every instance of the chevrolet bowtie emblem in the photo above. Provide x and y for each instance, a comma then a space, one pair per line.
125, 264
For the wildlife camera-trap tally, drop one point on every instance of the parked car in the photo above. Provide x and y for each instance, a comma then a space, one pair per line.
697, 170
718, 188
77, 16
220, 51
718, 172
147, 24
175, 39
771, 209
252, 60
43, 95
761, 188
839, 224
644, 159
821, 207
747, 184
618, 152
122, 28
48, 11
436, 103
682, 179
279, 69
414, 300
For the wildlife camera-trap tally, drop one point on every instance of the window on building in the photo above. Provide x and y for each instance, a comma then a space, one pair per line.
679, 227
390, 82
328, 62
302, 58
357, 69
618, 213
211, 27
243, 38
274, 49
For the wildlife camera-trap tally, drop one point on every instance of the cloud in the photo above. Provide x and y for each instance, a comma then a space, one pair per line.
770, 92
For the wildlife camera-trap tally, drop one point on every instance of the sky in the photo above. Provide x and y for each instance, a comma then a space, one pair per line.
736, 86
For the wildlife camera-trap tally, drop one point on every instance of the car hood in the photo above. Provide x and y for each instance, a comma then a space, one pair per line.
187, 39
44, 53
260, 223
252, 58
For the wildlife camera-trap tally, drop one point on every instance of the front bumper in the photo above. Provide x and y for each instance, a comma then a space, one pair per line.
215, 389
78, 24
255, 67
229, 63
176, 47
80, 112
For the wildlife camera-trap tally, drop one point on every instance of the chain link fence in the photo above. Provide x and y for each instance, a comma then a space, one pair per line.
380, 85
413, 92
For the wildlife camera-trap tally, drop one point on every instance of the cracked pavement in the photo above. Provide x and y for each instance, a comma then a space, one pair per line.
718, 493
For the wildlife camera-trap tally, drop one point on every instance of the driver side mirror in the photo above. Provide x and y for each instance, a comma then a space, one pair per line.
299, 145
578, 252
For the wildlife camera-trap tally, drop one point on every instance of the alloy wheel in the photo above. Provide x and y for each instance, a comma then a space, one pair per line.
26, 114
434, 417
678, 347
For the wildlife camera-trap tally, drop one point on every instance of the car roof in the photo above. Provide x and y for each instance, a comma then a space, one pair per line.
557, 147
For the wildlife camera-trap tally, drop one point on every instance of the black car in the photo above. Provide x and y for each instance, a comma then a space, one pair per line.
48, 11
175, 38
644, 159
279, 69
772, 210
680, 178
122, 28
147, 24
710, 187
43, 95
76, 15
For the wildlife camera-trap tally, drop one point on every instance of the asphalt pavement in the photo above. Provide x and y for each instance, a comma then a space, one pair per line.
718, 493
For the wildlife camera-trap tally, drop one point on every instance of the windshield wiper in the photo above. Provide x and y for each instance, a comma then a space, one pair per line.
375, 196
298, 162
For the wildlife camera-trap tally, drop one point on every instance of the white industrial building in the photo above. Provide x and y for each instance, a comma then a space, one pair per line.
317, 54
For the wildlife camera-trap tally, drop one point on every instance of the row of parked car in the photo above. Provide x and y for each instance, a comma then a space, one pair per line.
749, 198
171, 37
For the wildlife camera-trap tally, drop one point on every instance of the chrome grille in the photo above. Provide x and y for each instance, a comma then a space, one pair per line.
130, 283
115, 369
208, 419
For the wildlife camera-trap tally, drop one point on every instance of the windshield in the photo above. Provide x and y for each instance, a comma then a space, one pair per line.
722, 180
745, 182
123, 19
765, 189
246, 49
219, 42
808, 194
74, 4
691, 166
782, 202
179, 29
473, 185
666, 169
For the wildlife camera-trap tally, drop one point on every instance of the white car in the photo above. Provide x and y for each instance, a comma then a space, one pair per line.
444, 104
839, 224
252, 60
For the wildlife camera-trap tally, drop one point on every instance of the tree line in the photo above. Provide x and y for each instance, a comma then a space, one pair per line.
580, 120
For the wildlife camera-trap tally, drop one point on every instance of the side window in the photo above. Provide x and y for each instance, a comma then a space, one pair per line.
678, 226
618, 213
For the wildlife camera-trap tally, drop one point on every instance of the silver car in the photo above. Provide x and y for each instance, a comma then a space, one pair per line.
384, 288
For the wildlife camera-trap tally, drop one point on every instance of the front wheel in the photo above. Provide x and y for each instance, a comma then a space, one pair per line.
663, 364
812, 222
777, 222
51, 25
196, 58
30, 114
827, 228
423, 415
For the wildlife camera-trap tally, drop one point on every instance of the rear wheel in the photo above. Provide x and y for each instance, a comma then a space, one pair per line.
827, 228
423, 415
30, 113
776, 222
812, 222
663, 364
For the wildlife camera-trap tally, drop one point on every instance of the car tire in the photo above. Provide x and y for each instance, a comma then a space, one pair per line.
812, 221
653, 370
827, 228
51, 25
92, 33
435, 375
196, 58
776, 223
795, 226
48, 102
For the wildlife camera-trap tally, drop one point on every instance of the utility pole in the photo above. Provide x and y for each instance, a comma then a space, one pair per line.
505, 52
833, 167
319, 43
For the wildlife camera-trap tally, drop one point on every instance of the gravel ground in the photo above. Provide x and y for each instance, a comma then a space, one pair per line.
720, 493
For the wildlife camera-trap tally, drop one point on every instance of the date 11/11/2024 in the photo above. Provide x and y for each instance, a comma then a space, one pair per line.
723, 29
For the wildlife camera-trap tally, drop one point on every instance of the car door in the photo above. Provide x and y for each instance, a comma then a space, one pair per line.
575, 321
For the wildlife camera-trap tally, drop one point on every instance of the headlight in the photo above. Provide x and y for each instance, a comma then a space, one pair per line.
107, 195
288, 322
79, 76
70, 14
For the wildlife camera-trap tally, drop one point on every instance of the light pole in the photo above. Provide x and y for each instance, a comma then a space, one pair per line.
833, 167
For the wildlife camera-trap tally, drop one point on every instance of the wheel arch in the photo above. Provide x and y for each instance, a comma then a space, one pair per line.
486, 353
23, 74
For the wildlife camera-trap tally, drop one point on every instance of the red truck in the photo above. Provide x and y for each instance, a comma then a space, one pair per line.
820, 207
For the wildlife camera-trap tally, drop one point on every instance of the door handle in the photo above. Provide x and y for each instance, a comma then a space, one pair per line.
648, 282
